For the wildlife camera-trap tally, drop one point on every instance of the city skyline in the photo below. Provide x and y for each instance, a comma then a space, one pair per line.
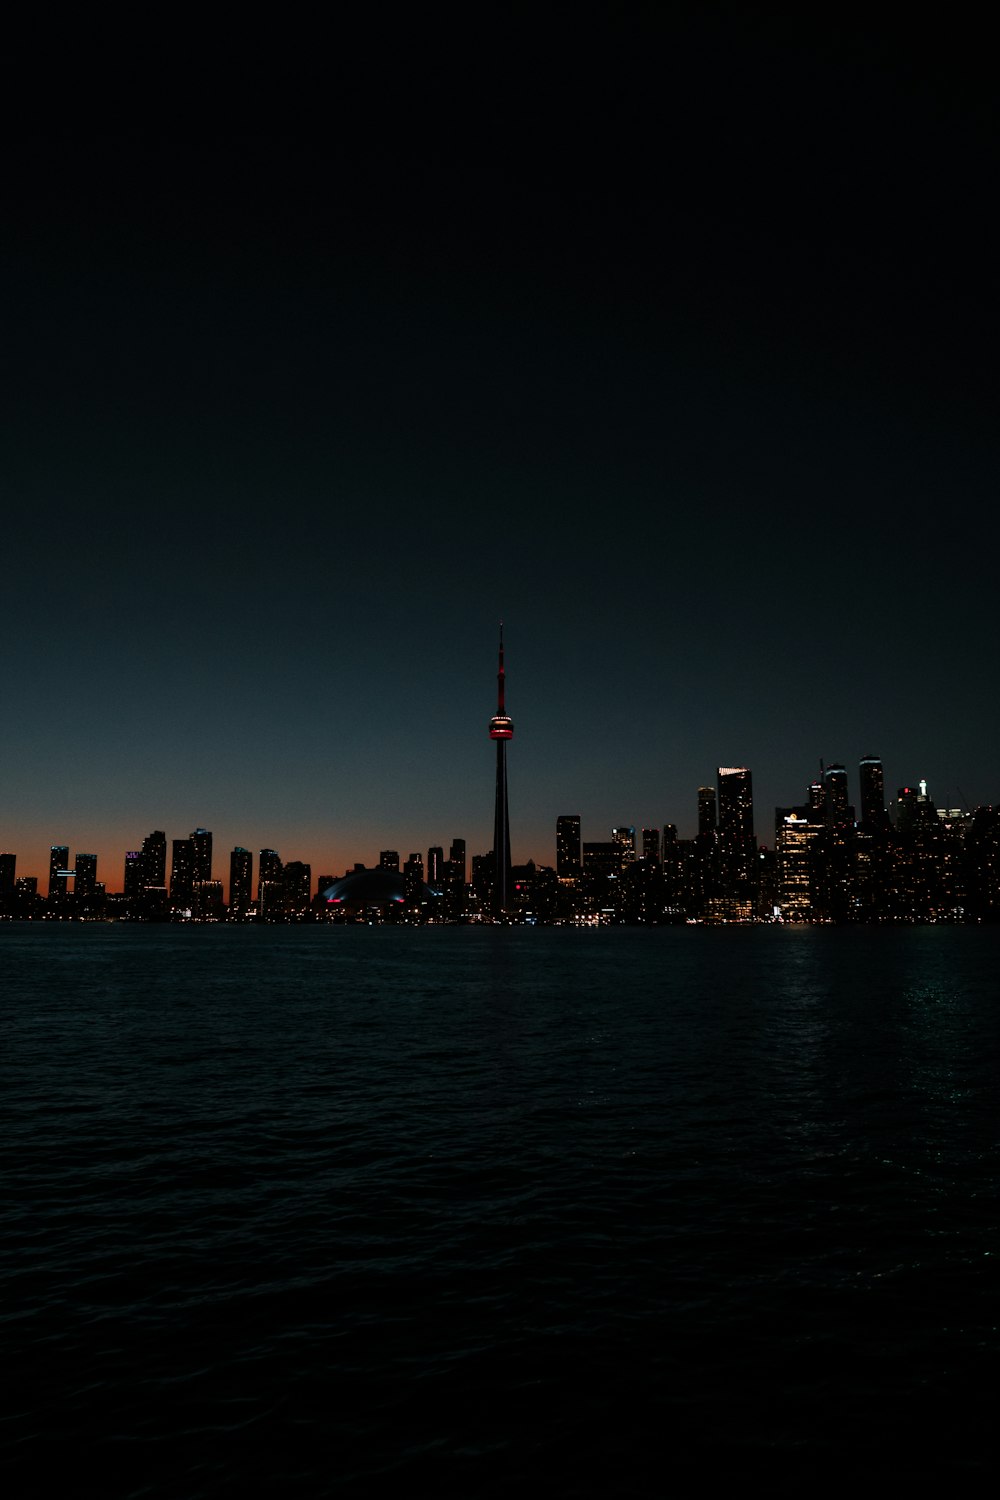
854, 791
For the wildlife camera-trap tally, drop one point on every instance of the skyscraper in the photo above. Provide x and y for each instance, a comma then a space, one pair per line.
706, 810
182, 872
568, 866
201, 853
58, 866
651, 843
270, 887
836, 804
154, 858
8, 865
132, 885
736, 836
85, 877
240, 881
456, 858
872, 783
501, 729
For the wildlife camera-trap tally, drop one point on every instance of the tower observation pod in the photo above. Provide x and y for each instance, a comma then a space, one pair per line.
501, 729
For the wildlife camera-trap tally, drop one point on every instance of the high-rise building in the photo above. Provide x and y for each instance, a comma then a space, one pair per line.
796, 837
737, 846
872, 783
651, 843
8, 864
182, 873
456, 858
837, 808
154, 858
58, 869
736, 803
388, 859
501, 729
296, 879
268, 868
435, 866
706, 810
568, 853
201, 854
85, 877
413, 875
132, 881
240, 881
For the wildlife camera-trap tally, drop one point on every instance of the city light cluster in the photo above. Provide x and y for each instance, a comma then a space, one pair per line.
828, 862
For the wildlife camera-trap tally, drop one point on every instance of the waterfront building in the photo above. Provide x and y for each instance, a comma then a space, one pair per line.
706, 811
58, 870
651, 843
85, 877
154, 858
132, 875
735, 864
181, 873
297, 881
268, 871
201, 854
240, 881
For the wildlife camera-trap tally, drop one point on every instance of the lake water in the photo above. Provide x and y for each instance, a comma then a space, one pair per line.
325, 1210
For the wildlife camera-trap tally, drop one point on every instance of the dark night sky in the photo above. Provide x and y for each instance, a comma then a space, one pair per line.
673, 345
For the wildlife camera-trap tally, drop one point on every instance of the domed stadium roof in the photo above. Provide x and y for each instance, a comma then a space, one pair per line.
377, 887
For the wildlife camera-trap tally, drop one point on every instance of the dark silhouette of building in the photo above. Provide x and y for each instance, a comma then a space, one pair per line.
85, 877
269, 869
132, 875
651, 844
8, 865
388, 859
501, 729
413, 880
240, 881
872, 784
435, 866
836, 805
58, 870
706, 810
568, 853
154, 859
201, 854
182, 873
736, 844
297, 882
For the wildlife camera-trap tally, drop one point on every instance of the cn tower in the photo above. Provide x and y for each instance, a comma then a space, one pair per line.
501, 730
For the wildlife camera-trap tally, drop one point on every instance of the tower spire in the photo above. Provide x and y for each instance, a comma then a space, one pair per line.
501, 729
